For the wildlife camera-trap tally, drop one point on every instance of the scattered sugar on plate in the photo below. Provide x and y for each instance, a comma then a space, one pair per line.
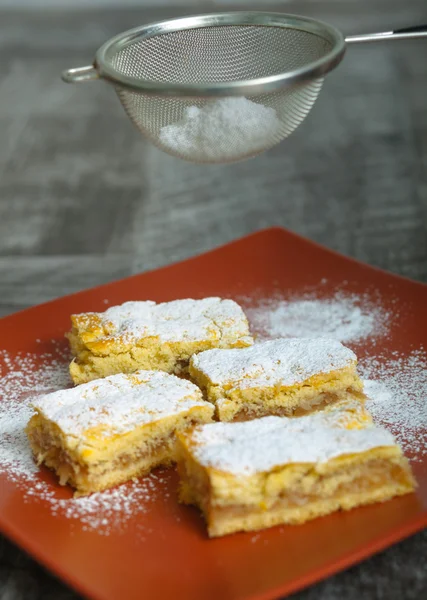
223, 129
397, 396
343, 317
103, 511
21, 379
397, 391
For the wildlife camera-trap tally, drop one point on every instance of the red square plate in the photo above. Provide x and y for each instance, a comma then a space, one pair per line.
174, 558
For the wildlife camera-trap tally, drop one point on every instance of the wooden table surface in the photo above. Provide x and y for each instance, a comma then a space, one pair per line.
84, 199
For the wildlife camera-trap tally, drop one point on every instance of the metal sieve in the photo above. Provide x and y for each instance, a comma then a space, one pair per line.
277, 61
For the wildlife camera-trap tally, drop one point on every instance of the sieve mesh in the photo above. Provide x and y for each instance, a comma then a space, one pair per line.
214, 55
221, 53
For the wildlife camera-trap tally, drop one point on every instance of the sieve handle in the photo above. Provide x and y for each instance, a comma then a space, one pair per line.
88, 73
418, 31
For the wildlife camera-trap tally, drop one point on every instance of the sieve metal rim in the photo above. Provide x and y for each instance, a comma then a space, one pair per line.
262, 85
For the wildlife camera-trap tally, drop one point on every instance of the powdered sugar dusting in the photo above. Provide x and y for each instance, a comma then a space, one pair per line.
227, 128
284, 362
176, 321
344, 317
119, 403
262, 444
21, 378
112, 508
397, 397
102, 511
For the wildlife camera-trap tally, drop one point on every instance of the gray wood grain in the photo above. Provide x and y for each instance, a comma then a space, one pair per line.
85, 200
